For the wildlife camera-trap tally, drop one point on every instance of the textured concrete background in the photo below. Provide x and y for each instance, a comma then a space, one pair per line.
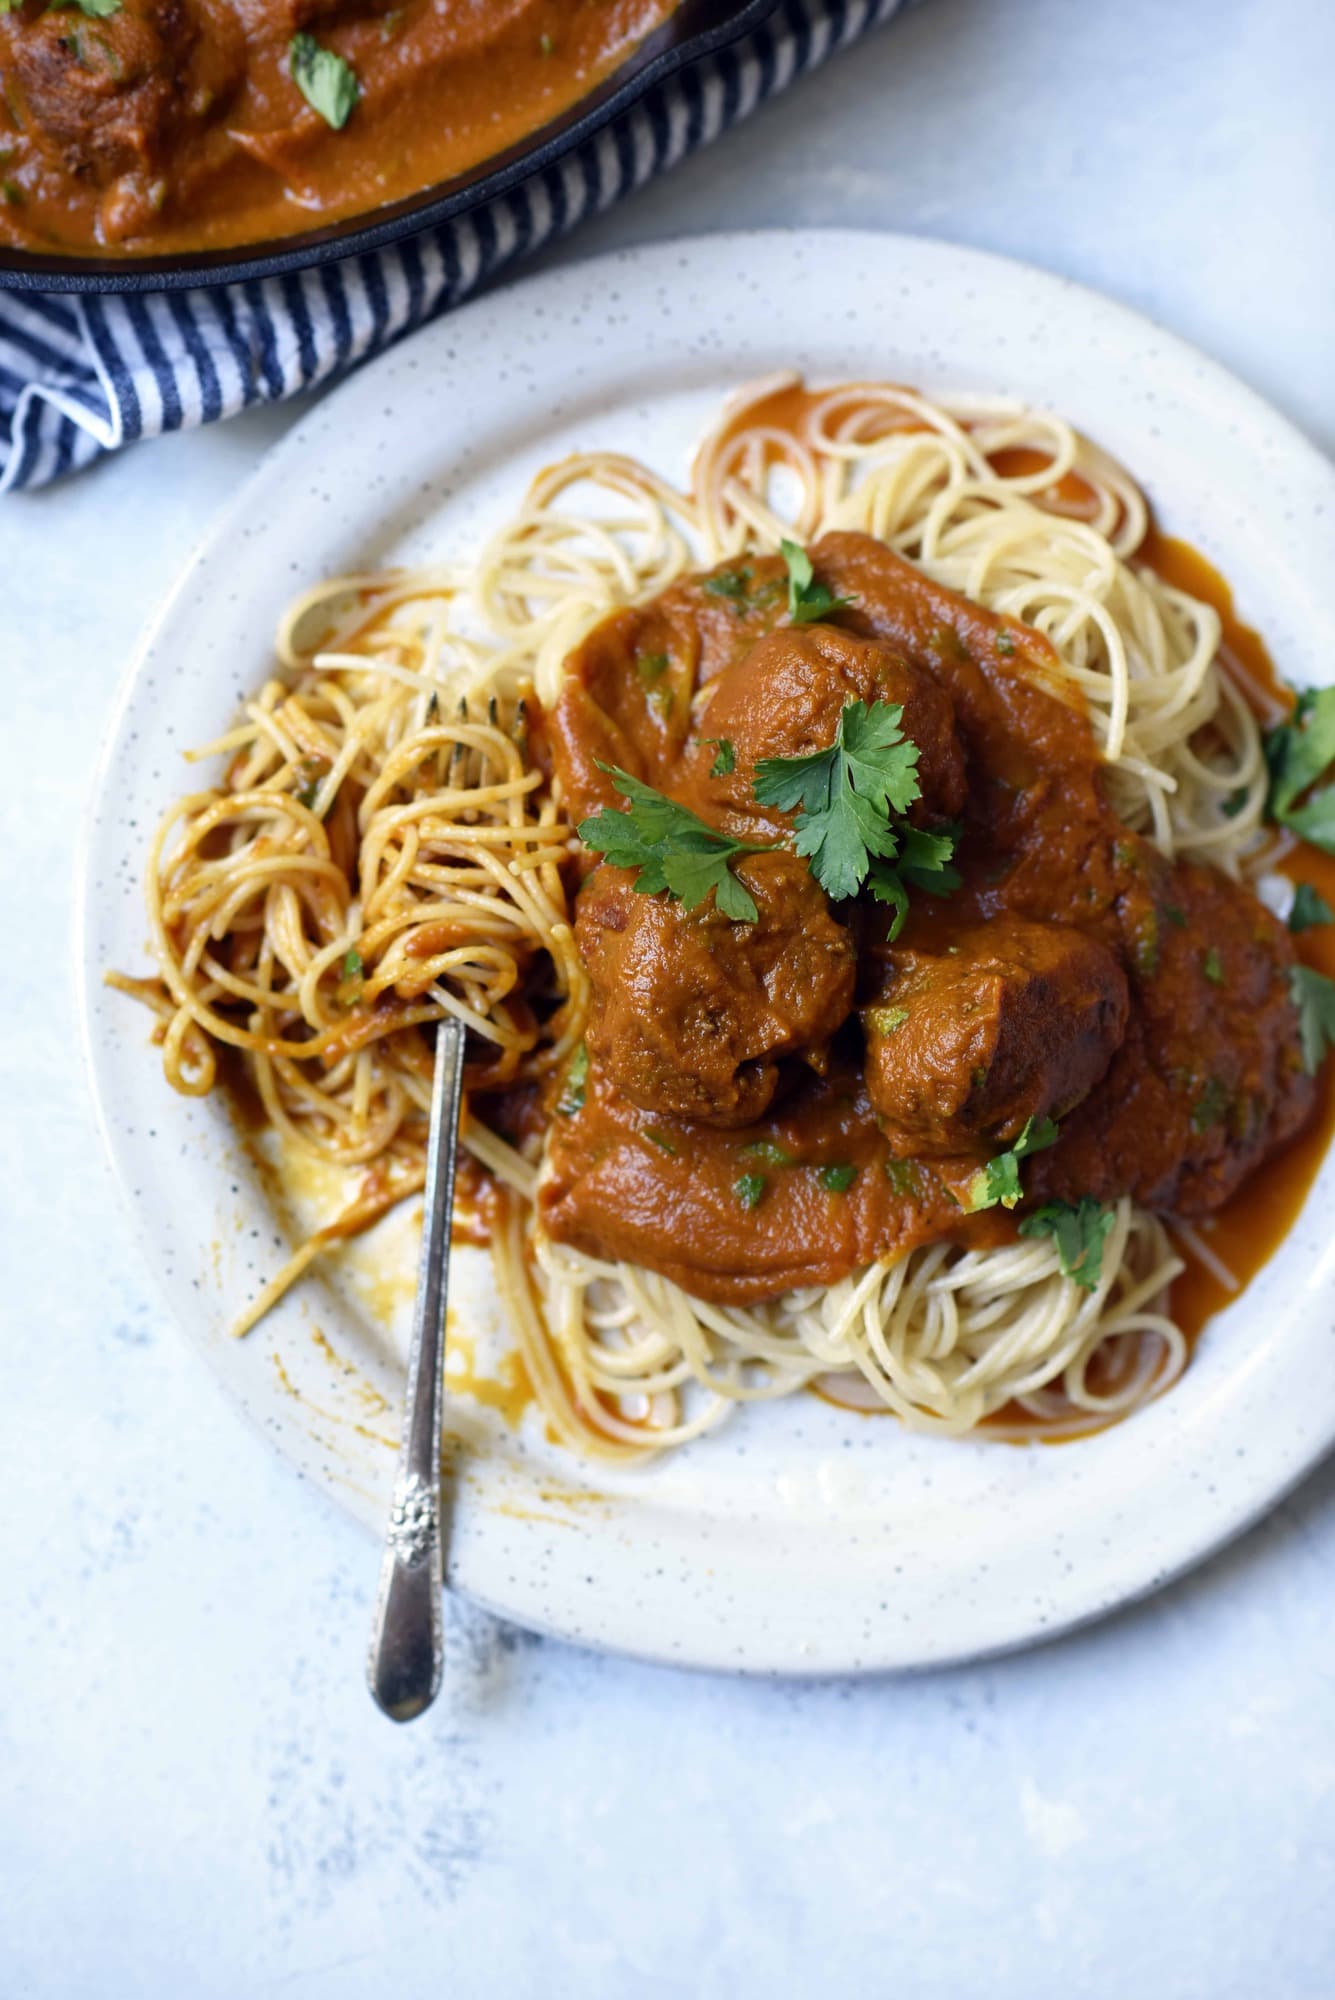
196, 1798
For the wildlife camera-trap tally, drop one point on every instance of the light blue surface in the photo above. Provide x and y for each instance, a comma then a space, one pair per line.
196, 1797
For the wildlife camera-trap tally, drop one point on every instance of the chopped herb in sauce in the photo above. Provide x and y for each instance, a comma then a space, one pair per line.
884, 1020
749, 1188
651, 667
770, 1151
808, 601
1212, 965
1079, 1233
735, 585
725, 759
328, 84
661, 1140
1005, 645
348, 992
999, 1181
838, 1179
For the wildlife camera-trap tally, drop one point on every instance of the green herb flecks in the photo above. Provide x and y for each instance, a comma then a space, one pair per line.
348, 992
749, 1189
725, 757
575, 1086
999, 1181
837, 1179
1079, 1232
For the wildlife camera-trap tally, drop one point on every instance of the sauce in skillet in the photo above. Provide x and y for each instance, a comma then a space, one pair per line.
177, 125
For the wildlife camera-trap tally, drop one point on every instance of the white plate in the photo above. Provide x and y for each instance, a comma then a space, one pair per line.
799, 1538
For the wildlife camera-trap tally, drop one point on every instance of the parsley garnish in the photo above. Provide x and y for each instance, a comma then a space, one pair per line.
1079, 1233
1314, 997
576, 1084
924, 863
999, 1180
1005, 645
661, 1140
1309, 909
651, 666
885, 1020
670, 848
328, 84
749, 1189
1298, 753
1212, 965
843, 797
725, 760
808, 600
770, 1150
837, 1180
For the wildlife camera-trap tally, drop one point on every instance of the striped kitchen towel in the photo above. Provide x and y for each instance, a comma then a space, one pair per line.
80, 375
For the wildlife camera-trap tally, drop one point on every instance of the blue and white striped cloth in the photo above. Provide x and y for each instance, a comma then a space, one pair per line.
80, 375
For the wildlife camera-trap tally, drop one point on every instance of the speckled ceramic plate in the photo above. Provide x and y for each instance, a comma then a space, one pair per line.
799, 1538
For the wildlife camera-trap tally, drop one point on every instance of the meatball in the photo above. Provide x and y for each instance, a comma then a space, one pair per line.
105, 96
691, 1010
785, 698
1016, 1021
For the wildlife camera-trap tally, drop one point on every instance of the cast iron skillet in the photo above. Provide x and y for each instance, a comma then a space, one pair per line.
695, 29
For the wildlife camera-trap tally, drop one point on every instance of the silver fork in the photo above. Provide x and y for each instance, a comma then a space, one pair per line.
407, 1654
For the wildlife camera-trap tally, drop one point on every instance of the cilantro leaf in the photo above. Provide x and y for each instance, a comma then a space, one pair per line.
808, 600
838, 1179
750, 1189
999, 1180
843, 796
1314, 997
670, 848
924, 862
725, 760
1310, 908
1297, 754
1079, 1233
328, 84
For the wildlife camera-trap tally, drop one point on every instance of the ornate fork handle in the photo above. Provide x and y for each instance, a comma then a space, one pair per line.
408, 1636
